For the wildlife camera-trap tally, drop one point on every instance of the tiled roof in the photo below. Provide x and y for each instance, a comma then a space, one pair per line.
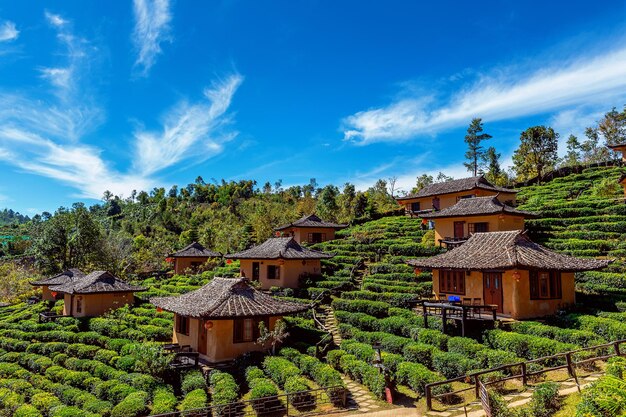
279, 248
96, 282
311, 221
455, 186
617, 145
62, 278
195, 250
621, 178
506, 250
227, 298
477, 206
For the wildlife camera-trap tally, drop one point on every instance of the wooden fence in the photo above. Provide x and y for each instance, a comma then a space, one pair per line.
523, 370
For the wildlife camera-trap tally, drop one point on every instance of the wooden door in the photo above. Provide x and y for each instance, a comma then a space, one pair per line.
492, 289
459, 230
202, 337
256, 269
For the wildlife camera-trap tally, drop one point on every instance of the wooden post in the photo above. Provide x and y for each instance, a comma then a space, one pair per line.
425, 313
616, 347
477, 386
494, 311
429, 399
463, 321
444, 317
524, 376
570, 367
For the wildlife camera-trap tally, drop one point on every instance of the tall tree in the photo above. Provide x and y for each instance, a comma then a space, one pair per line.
613, 127
423, 181
572, 157
537, 152
492, 160
475, 152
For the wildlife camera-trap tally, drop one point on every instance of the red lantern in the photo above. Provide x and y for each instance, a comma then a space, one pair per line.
208, 325
159, 310
54, 293
277, 234
229, 261
169, 260
418, 271
281, 262
516, 275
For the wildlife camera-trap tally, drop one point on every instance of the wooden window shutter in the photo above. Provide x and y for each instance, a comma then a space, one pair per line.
534, 284
237, 331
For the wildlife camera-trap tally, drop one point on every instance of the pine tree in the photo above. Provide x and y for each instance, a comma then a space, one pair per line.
475, 152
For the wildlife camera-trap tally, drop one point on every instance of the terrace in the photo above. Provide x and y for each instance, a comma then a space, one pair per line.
471, 314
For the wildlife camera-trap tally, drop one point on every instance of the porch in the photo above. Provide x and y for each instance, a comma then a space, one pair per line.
472, 318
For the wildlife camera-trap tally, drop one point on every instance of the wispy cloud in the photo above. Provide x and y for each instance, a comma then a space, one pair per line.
189, 130
152, 27
8, 31
502, 95
44, 136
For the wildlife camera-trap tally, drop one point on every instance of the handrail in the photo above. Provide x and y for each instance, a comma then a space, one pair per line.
474, 377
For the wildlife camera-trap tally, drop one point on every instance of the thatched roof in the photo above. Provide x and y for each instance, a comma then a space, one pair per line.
224, 298
506, 250
312, 221
279, 248
456, 186
94, 283
477, 206
62, 278
195, 250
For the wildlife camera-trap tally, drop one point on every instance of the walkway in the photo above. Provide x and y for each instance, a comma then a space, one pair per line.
474, 409
360, 397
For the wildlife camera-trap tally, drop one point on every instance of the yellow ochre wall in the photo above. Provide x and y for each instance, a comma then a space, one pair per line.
290, 271
448, 200
220, 346
516, 295
46, 294
444, 227
96, 304
301, 234
181, 264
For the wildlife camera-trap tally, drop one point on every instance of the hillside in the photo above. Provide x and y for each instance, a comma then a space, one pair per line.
109, 366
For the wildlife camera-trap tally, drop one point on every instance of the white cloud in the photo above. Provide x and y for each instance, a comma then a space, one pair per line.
44, 136
586, 80
189, 130
55, 19
152, 27
8, 31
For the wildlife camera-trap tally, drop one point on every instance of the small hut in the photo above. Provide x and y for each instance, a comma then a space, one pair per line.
622, 182
191, 257
95, 294
310, 229
279, 262
441, 195
457, 223
221, 319
58, 279
620, 147
522, 278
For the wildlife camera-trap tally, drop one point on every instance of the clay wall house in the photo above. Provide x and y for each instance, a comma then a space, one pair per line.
524, 279
221, 319
191, 257
442, 195
58, 279
279, 262
310, 229
95, 294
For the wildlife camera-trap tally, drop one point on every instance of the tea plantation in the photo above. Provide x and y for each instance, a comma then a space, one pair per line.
112, 366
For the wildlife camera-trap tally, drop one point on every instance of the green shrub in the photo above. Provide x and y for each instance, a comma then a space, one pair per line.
373, 308
134, 405
261, 388
194, 399
334, 356
27, 410
280, 369
433, 337
193, 380
223, 387
545, 400
164, 401
416, 376
452, 365
254, 372
44, 401
420, 353
362, 351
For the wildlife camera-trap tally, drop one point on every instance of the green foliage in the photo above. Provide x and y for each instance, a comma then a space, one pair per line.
134, 405
194, 399
537, 152
224, 388
164, 401
193, 380
280, 369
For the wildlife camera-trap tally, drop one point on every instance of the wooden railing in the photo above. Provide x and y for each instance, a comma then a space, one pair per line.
520, 370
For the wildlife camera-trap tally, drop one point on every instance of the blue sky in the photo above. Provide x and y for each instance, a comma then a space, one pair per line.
136, 94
